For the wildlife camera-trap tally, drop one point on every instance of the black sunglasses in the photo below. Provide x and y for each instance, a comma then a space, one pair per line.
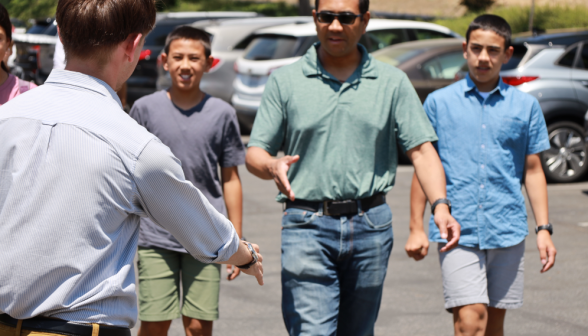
344, 18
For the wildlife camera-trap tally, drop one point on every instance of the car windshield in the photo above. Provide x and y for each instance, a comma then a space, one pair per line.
37, 29
518, 54
271, 47
396, 56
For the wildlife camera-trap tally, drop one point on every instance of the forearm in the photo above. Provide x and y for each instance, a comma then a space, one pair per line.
418, 202
233, 194
429, 171
536, 186
258, 162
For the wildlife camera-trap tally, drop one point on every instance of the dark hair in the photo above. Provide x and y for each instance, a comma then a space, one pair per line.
364, 6
7, 26
91, 29
188, 33
491, 22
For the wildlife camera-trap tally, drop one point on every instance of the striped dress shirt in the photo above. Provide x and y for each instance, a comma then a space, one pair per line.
76, 173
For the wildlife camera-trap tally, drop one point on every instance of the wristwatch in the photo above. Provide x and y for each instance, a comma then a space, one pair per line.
547, 227
253, 254
441, 201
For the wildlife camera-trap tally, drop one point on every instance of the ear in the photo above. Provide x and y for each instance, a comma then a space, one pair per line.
164, 61
508, 52
365, 19
209, 62
133, 42
464, 46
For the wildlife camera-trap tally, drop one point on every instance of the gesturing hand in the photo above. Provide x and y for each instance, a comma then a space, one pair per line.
448, 227
279, 169
417, 246
257, 269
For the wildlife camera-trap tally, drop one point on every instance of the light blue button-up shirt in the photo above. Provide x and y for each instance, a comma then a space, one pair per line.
483, 145
76, 173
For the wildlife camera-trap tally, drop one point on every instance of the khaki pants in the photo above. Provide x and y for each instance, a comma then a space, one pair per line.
12, 331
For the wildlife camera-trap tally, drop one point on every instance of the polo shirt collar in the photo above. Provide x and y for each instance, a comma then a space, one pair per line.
312, 67
470, 86
78, 79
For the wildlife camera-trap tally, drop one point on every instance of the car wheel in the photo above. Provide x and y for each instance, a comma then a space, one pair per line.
566, 160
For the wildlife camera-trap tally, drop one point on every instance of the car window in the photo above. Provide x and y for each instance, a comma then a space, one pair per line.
382, 38
568, 59
518, 54
583, 62
37, 29
443, 66
425, 34
158, 35
396, 55
271, 47
244, 43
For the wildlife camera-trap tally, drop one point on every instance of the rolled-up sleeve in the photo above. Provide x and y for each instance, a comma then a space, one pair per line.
175, 204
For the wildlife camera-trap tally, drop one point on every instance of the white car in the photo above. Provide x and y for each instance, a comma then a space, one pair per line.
272, 48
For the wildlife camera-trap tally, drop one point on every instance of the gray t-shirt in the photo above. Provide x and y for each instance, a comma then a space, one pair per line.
203, 138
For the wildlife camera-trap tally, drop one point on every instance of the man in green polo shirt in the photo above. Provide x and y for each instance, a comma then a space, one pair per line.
339, 116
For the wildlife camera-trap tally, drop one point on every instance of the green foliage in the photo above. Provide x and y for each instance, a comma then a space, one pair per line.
265, 8
546, 17
475, 6
30, 9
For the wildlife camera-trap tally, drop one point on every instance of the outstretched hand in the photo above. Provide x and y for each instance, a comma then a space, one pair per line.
257, 269
448, 227
279, 169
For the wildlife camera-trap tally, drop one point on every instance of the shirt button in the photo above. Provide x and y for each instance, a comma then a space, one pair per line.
482, 166
480, 206
483, 146
482, 186
483, 126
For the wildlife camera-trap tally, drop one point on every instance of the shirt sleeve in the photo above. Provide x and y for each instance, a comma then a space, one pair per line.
538, 137
430, 107
136, 114
176, 205
269, 128
233, 151
412, 124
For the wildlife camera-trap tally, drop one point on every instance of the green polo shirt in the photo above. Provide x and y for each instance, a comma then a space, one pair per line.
346, 134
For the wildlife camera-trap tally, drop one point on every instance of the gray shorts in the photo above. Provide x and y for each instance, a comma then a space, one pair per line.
492, 277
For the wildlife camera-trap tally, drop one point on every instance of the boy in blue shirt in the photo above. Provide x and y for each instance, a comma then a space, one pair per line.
490, 136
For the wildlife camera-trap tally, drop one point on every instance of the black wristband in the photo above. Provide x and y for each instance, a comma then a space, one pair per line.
548, 228
440, 201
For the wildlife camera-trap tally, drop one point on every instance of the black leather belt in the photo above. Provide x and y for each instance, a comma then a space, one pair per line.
339, 208
55, 326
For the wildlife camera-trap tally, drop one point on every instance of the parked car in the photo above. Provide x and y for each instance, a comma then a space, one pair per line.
565, 37
558, 78
275, 47
229, 40
429, 64
27, 49
143, 80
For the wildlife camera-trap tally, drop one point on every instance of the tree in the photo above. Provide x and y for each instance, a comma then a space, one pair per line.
477, 5
30, 9
304, 8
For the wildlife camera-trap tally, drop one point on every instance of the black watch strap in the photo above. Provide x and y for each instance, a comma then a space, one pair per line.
253, 254
440, 201
547, 227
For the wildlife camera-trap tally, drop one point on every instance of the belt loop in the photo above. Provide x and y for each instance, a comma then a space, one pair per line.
359, 209
18, 328
95, 329
320, 209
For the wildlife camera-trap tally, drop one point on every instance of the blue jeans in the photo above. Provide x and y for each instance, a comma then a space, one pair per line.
333, 271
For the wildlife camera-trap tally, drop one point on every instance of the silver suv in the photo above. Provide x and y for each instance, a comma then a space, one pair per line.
558, 78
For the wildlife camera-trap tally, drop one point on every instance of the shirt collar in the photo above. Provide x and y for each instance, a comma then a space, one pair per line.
312, 66
469, 86
72, 78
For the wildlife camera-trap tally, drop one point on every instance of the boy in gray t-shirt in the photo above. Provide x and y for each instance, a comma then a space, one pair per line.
201, 131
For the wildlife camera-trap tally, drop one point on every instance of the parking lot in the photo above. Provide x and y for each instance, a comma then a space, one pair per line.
555, 302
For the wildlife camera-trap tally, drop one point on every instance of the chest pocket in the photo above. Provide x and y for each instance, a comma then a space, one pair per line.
512, 133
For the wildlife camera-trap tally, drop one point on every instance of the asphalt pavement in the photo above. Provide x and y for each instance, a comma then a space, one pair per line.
556, 303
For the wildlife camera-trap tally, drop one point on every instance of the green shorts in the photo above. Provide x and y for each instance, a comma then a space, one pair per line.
160, 271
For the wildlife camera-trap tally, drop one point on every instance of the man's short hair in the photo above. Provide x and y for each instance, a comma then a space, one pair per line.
91, 29
188, 33
491, 22
364, 5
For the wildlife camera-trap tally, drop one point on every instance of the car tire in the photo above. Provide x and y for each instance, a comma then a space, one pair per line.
566, 160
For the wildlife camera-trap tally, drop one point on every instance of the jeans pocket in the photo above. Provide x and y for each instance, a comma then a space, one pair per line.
379, 217
294, 218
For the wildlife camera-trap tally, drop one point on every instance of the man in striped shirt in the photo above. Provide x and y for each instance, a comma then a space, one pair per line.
76, 173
